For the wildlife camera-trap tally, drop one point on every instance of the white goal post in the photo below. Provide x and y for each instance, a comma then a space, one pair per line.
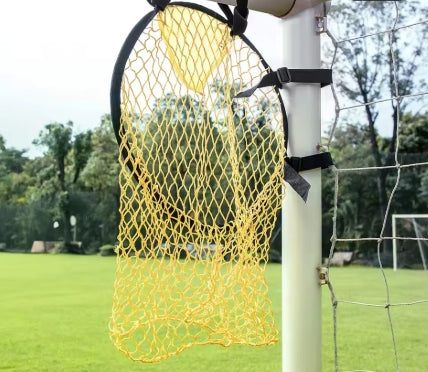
301, 251
412, 218
278, 8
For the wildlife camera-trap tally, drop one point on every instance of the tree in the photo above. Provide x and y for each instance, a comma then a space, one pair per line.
377, 66
12, 163
413, 148
189, 150
414, 134
58, 140
178, 152
100, 176
357, 203
12, 193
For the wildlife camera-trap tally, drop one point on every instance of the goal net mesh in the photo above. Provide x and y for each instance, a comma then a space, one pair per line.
382, 300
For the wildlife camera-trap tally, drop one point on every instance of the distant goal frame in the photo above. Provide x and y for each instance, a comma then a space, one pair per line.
411, 216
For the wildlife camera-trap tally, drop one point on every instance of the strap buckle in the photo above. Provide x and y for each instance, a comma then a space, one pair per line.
283, 75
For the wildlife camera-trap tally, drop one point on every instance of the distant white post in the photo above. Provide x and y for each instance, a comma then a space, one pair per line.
394, 242
73, 224
421, 249
410, 217
301, 223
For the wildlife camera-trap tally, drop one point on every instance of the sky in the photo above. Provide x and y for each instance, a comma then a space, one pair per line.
56, 62
57, 58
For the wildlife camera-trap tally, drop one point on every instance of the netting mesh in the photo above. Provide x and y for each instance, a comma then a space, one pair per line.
374, 41
201, 176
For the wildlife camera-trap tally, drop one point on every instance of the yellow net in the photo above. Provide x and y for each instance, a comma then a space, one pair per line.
201, 176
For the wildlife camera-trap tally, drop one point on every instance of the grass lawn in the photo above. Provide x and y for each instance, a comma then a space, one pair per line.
54, 311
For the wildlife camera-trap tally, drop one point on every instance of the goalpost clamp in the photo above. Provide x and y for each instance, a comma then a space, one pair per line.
323, 275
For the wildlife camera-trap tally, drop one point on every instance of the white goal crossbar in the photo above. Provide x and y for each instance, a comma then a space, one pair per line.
412, 218
278, 8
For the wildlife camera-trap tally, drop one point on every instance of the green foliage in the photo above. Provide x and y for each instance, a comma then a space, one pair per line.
413, 148
71, 247
357, 202
31, 199
82, 147
423, 188
102, 168
178, 153
56, 138
16, 227
69, 156
372, 68
36, 192
12, 178
108, 250
176, 149
12, 160
100, 178
413, 137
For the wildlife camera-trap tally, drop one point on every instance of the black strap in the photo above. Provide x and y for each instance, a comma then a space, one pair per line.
286, 75
294, 165
238, 20
227, 12
296, 181
322, 160
159, 4
240, 16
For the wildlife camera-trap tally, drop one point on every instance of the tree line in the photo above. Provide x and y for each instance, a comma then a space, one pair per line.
76, 176
78, 173
373, 64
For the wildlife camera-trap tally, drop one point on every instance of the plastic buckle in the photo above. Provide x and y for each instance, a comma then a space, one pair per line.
283, 75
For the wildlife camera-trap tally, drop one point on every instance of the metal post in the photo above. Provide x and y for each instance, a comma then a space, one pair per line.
394, 242
394, 236
301, 303
421, 249
75, 233
279, 8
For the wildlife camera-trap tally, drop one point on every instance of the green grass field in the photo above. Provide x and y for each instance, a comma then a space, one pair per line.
54, 311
